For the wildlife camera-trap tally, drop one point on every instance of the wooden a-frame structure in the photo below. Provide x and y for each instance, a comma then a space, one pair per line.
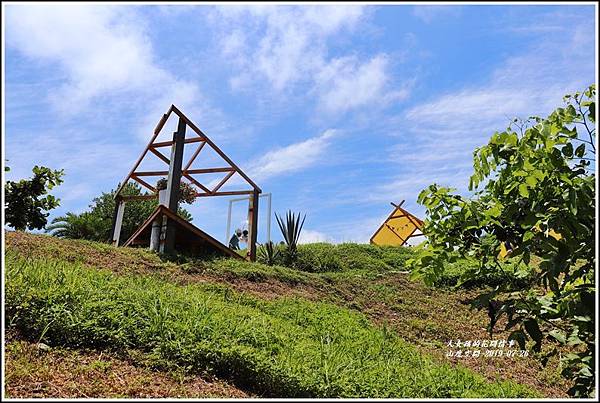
397, 228
163, 227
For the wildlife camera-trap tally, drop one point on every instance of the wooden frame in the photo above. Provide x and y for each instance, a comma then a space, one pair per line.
229, 168
187, 172
180, 221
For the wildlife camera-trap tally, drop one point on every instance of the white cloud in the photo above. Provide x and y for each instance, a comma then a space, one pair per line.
347, 84
431, 13
291, 158
103, 51
98, 48
290, 40
438, 136
311, 236
287, 46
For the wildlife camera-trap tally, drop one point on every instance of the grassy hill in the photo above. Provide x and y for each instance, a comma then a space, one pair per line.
349, 324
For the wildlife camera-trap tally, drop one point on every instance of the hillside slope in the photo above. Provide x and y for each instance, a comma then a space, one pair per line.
413, 322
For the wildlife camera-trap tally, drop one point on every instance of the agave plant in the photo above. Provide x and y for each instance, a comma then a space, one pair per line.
290, 229
268, 253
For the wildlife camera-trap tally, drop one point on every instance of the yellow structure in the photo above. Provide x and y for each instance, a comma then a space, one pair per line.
504, 251
397, 228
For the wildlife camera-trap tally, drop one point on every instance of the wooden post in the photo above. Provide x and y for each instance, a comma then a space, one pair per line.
173, 183
155, 234
117, 221
252, 225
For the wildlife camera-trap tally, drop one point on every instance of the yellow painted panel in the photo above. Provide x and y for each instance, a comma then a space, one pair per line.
550, 232
395, 231
555, 235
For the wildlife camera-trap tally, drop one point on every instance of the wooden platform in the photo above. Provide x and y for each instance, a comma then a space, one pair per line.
189, 238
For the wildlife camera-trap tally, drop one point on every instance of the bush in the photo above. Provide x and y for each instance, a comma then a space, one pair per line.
467, 273
324, 257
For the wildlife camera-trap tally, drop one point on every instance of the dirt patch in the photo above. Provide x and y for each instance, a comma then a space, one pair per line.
34, 372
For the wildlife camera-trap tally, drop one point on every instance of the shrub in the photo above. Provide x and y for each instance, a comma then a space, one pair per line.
324, 257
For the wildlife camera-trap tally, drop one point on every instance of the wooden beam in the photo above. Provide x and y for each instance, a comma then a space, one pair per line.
170, 143
229, 193
173, 185
398, 205
195, 182
163, 120
143, 183
214, 147
140, 197
252, 225
417, 221
137, 163
159, 155
189, 164
157, 130
225, 179
411, 235
184, 173
209, 170
151, 173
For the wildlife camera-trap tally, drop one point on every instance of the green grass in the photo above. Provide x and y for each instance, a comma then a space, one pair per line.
285, 347
255, 271
325, 257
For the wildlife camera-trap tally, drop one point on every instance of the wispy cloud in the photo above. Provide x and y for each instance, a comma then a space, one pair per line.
104, 52
311, 236
287, 46
292, 158
347, 84
430, 13
438, 136
99, 49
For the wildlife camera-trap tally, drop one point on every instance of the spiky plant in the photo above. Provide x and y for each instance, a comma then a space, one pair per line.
290, 229
76, 226
268, 253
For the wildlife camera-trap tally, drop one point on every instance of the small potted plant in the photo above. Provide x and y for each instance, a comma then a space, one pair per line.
187, 193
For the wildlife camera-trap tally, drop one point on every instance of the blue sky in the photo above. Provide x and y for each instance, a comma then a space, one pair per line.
335, 110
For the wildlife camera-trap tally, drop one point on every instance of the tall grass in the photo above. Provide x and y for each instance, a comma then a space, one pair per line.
285, 347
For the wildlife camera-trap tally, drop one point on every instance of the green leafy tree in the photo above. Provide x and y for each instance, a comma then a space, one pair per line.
136, 212
27, 201
534, 196
96, 224
76, 226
